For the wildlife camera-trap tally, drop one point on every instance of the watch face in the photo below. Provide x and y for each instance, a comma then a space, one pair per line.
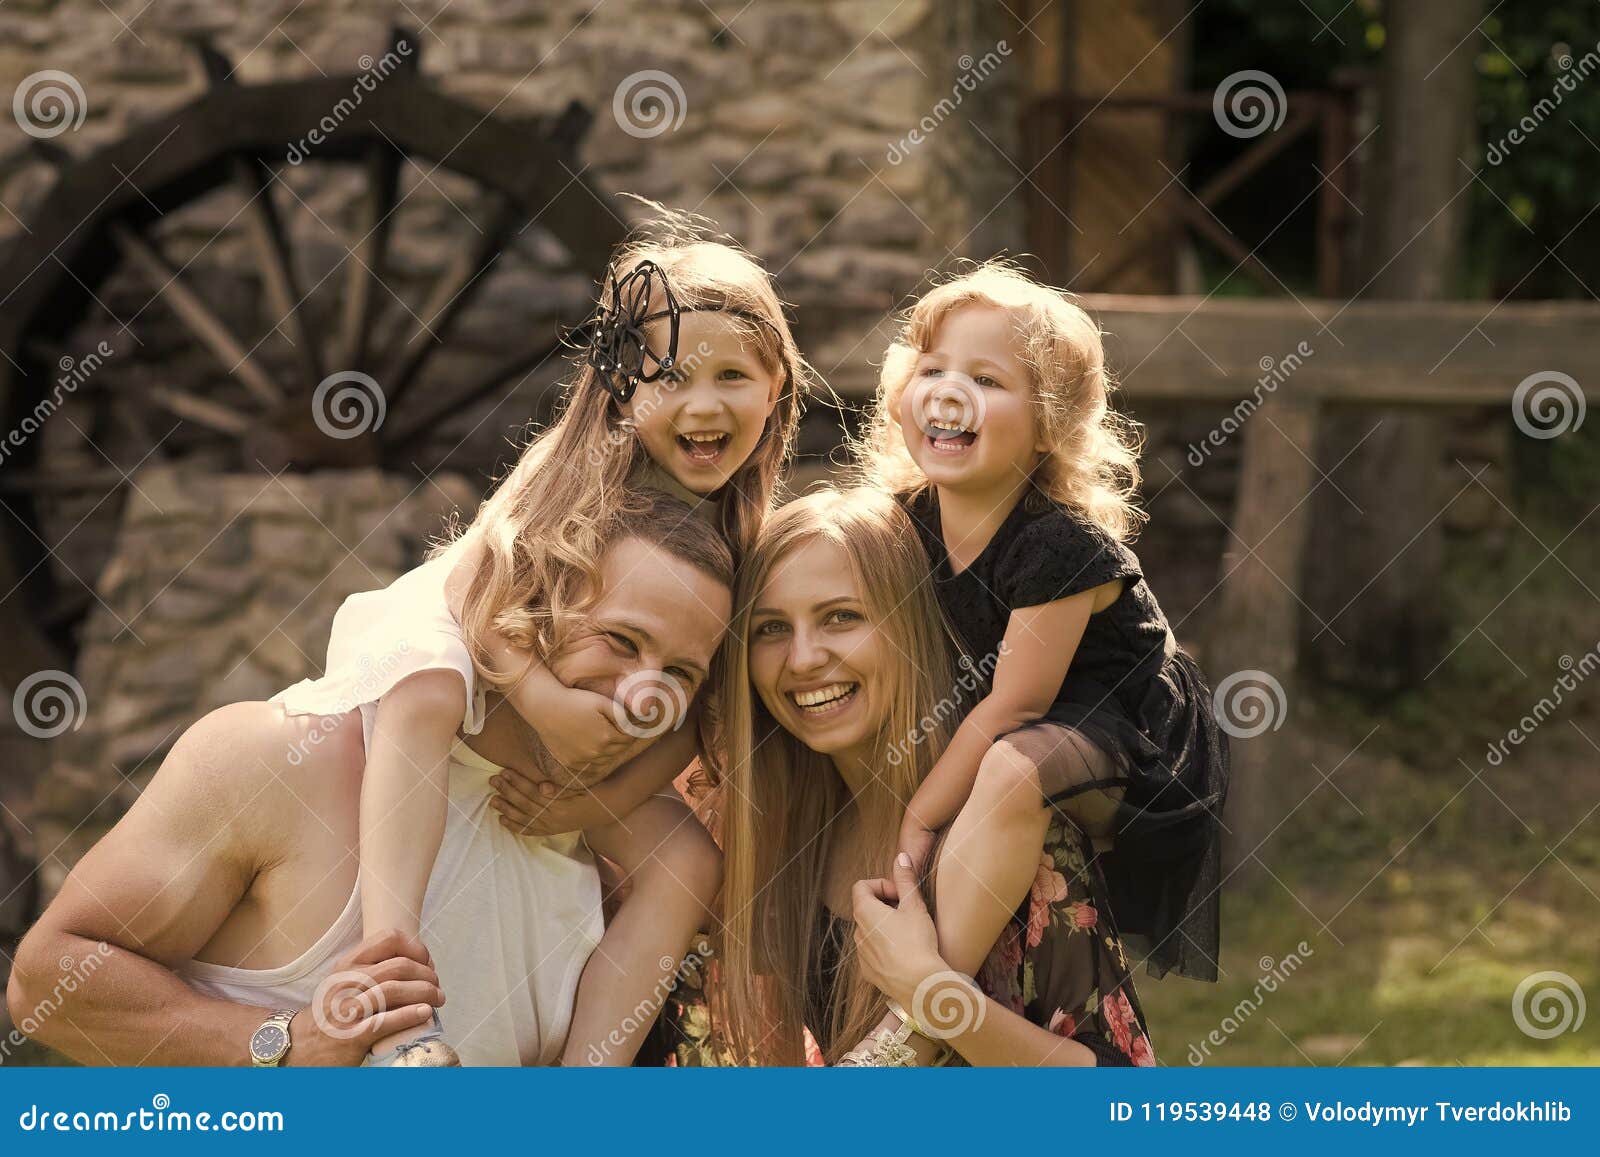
269, 1042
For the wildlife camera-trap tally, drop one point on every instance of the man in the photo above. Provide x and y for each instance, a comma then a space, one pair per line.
222, 912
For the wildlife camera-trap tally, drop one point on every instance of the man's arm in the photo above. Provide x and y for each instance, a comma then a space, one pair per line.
153, 892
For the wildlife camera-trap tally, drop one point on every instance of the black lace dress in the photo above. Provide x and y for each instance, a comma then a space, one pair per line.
1131, 692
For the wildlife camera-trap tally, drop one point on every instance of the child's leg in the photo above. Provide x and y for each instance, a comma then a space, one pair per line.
404, 793
675, 872
990, 857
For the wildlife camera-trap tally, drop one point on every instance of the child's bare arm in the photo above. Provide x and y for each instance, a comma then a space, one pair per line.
1039, 644
531, 806
580, 729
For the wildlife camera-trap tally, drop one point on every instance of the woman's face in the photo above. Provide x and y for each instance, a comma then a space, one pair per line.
816, 659
701, 419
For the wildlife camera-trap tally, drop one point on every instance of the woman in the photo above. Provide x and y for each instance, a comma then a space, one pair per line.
854, 697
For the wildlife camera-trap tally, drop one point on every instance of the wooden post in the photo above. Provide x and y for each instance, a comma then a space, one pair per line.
1255, 625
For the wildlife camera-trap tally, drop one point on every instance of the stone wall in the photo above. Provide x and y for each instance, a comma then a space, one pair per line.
222, 589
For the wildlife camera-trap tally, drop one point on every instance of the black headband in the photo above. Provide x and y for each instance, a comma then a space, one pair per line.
618, 351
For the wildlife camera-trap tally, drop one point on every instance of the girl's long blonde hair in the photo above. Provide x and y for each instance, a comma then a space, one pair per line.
1092, 465
540, 535
778, 801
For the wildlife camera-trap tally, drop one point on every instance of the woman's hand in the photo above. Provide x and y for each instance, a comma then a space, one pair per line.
897, 946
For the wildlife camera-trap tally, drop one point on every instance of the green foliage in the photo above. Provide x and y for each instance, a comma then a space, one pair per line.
1532, 230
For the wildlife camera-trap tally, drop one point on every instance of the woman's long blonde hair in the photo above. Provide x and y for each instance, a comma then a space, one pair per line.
778, 800
1092, 465
541, 533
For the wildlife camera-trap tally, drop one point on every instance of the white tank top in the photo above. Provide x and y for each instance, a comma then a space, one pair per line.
510, 921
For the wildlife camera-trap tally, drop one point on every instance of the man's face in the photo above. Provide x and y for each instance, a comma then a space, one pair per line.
649, 640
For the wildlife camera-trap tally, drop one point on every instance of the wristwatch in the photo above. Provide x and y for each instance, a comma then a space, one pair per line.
270, 1044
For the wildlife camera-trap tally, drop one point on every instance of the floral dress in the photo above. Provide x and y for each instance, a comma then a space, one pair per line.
1059, 963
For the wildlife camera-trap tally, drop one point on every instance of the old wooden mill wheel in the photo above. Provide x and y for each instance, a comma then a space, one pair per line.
227, 284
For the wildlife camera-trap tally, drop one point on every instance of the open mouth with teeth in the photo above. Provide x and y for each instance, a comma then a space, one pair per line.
704, 447
949, 437
825, 701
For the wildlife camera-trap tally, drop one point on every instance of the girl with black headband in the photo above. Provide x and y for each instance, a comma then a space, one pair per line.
689, 382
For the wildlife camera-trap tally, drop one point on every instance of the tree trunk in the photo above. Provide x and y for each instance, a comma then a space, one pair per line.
1378, 622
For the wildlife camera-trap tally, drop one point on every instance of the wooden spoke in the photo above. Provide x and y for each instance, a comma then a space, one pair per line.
454, 290
202, 411
441, 408
271, 245
194, 313
368, 258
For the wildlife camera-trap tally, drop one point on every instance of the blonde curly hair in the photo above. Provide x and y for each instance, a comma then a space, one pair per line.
1092, 465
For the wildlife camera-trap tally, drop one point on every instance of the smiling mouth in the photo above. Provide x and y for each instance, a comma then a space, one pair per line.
704, 448
950, 437
825, 701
